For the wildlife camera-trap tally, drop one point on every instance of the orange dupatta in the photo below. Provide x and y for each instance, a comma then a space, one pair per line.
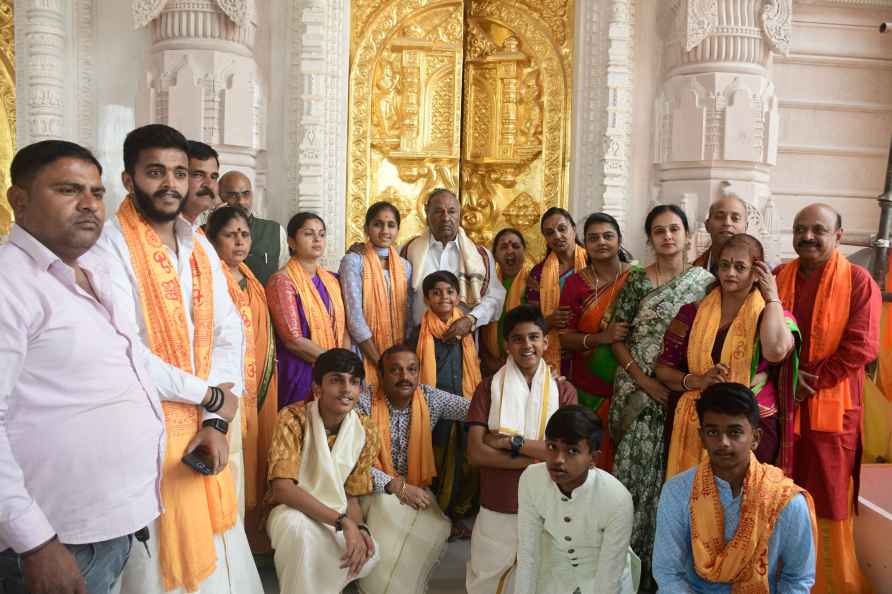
385, 314
196, 506
550, 297
831, 313
422, 467
884, 373
433, 327
489, 334
743, 561
326, 327
685, 447
591, 319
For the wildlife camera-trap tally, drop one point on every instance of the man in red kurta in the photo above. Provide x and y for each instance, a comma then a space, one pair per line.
837, 305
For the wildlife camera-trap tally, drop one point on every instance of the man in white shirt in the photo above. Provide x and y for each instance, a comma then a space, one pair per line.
170, 284
204, 171
574, 520
446, 246
81, 426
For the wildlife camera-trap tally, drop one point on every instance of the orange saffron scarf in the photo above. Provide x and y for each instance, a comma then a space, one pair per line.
422, 467
326, 327
829, 318
385, 314
550, 297
489, 334
884, 374
592, 320
433, 327
196, 506
742, 561
685, 448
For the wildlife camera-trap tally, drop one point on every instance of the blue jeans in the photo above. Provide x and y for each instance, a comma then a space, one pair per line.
101, 564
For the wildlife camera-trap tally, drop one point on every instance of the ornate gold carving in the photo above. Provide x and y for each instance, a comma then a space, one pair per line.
7, 109
411, 128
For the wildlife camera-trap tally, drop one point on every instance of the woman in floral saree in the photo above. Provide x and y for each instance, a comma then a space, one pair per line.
649, 300
590, 295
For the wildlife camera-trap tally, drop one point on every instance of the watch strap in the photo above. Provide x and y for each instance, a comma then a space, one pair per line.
218, 424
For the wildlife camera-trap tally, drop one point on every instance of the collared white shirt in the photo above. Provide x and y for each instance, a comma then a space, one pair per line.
448, 257
81, 425
226, 359
580, 541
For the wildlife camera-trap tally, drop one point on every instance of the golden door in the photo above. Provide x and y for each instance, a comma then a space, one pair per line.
7, 109
469, 95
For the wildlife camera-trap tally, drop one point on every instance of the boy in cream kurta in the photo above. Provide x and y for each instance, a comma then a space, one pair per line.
319, 464
574, 520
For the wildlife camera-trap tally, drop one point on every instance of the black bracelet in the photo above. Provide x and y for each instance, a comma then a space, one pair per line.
365, 529
217, 399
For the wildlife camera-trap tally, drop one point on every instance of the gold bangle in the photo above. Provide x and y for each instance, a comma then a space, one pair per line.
402, 489
684, 381
585, 342
627, 365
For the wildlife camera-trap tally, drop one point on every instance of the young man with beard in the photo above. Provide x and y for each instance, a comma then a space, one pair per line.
732, 524
170, 284
204, 169
81, 425
507, 422
837, 305
319, 465
574, 520
402, 513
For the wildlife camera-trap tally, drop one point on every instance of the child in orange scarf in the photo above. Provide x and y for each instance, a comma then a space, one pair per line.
453, 367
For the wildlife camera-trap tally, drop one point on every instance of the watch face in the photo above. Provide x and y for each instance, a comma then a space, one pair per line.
517, 440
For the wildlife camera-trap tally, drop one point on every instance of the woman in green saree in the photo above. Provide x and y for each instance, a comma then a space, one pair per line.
649, 301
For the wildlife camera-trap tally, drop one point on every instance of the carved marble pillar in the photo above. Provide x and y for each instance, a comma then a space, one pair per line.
716, 115
45, 41
202, 79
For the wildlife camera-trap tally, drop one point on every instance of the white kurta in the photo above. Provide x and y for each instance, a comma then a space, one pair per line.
574, 542
235, 571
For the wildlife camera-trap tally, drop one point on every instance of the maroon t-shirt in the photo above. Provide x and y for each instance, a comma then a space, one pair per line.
498, 486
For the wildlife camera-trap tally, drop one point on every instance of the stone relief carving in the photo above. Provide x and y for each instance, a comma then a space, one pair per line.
702, 17
777, 24
146, 11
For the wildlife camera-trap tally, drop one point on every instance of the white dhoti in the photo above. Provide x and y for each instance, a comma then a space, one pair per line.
235, 572
493, 553
237, 462
308, 554
410, 543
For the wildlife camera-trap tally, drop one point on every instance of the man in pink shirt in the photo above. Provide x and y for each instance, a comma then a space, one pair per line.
81, 425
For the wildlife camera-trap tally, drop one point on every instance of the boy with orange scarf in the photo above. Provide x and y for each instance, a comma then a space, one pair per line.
837, 306
452, 366
410, 527
732, 524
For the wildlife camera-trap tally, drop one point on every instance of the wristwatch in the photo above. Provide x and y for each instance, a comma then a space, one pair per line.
218, 424
516, 443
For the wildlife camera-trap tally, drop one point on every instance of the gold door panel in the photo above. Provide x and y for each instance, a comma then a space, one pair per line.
7, 109
473, 96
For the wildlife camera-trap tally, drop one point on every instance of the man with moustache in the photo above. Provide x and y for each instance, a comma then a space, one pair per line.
204, 169
727, 218
410, 527
837, 305
170, 284
81, 425
269, 245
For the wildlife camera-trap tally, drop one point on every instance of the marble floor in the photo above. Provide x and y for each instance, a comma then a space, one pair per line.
448, 578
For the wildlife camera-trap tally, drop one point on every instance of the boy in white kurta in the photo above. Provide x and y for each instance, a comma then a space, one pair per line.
574, 520
319, 464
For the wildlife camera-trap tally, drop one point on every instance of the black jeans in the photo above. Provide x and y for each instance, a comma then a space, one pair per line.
101, 564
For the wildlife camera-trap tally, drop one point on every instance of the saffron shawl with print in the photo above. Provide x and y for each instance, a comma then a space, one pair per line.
422, 466
550, 297
831, 313
743, 560
196, 507
384, 313
685, 448
490, 334
327, 327
433, 327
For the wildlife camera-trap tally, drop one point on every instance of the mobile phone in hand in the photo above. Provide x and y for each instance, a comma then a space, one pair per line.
198, 463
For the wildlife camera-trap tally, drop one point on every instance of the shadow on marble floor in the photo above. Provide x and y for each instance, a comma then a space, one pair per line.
448, 578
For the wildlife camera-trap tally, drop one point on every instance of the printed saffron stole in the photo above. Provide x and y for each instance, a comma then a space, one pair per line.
489, 334
550, 297
685, 448
384, 313
422, 467
196, 506
831, 314
326, 327
743, 560
433, 327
